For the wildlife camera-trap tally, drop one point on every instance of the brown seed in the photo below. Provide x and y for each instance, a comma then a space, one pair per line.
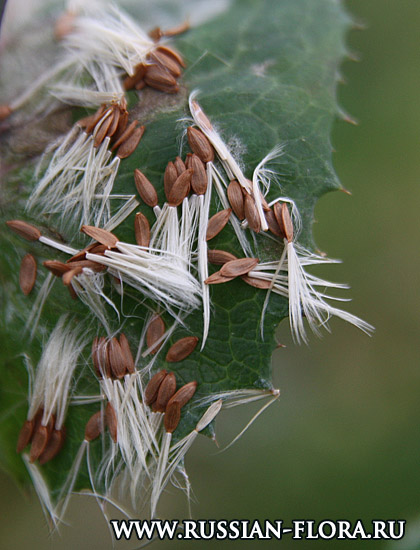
255, 282
273, 226
94, 266
95, 357
145, 189
115, 121
169, 177
180, 188
284, 220
24, 229
200, 145
56, 267
128, 146
94, 426
101, 235
235, 268
53, 447
111, 421
159, 78
122, 126
128, 356
187, 161
179, 165
140, 85
39, 442
170, 52
166, 390
102, 128
85, 121
184, 394
68, 275
217, 223
152, 388
5, 111
251, 214
27, 273
130, 82
116, 359
217, 279
25, 435
100, 361
199, 176
220, 257
95, 118
155, 331
142, 230
236, 199
181, 349
172, 417
166, 61
125, 134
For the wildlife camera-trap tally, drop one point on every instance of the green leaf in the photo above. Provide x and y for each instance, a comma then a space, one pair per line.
267, 72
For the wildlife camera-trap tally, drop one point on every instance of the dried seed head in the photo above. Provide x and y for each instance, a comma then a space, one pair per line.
217, 278
111, 421
56, 267
251, 213
236, 199
219, 257
25, 435
199, 176
27, 273
145, 189
166, 390
159, 78
172, 417
181, 349
142, 230
170, 52
169, 177
155, 331
129, 145
53, 447
180, 188
184, 394
116, 359
273, 226
39, 442
94, 426
101, 235
235, 268
166, 61
255, 282
217, 223
284, 220
128, 356
152, 388
24, 229
5, 111
200, 145
179, 165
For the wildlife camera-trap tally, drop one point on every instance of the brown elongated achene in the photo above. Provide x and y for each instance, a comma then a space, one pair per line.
217, 278
155, 331
129, 145
184, 394
181, 349
25, 435
180, 188
264, 284
235, 268
142, 230
27, 273
101, 235
251, 213
39, 442
179, 165
166, 390
284, 220
236, 199
152, 388
200, 145
169, 178
128, 356
125, 134
24, 229
53, 447
217, 223
111, 421
172, 416
94, 426
199, 176
116, 358
167, 61
145, 189
57, 268
219, 257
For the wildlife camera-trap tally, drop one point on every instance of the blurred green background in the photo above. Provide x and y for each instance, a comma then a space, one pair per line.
343, 440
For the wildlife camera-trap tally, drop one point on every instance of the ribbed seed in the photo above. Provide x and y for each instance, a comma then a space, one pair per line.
236, 199
155, 331
219, 257
200, 145
181, 349
166, 391
184, 394
159, 78
216, 279
39, 442
94, 426
129, 145
180, 188
255, 282
68, 275
122, 126
251, 214
101, 235
27, 273
95, 118
169, 177
284, 220
24, 229
141, 230
56, 267
115, 121
116, 359
272, 223
199, 176
53, 447
125, 134
235, 268
25, 435
172, 417
145, 189
170, 52
130, 82
101, 131
94, 266
128, 356
104, 365
217, 223
166, 61
111, 421
179, 165
152, 388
